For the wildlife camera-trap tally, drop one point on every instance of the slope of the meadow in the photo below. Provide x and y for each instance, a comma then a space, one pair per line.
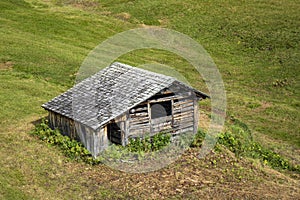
254, 44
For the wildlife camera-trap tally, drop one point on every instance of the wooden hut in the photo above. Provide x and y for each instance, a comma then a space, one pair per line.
122, 102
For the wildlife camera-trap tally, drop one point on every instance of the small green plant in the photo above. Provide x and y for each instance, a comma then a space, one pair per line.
76, 151
148, 144
238, 139
198, 139
280, 82
254, 150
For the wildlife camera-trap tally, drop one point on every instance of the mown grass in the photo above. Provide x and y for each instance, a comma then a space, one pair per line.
50, 44
255, 45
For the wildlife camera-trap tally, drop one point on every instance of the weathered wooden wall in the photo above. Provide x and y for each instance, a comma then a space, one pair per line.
139, 121
64, 124
94, 141
184, 117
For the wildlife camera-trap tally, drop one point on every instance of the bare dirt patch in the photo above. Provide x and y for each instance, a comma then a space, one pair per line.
204, 121
264, 106
123, 16
218, 176
163, 22
6, 65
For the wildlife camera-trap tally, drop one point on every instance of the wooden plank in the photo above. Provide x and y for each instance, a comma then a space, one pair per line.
183, 106
141, 128
139, 125
183, 120
87, 139
187, 109
179, 103
196, 116
95, 143
162, 129
162, 124
166, 92
184, 126
184, 112
182, 98
126, 128
182, 115
140, 114
160, 100
162, 95
91, 134
103, 138
180, 131
139, 109
82, 135
172, 111
188, 124
122, 134
138, 132
149, 113
137, 120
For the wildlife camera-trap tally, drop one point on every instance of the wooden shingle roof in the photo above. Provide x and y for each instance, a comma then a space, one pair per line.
110, 93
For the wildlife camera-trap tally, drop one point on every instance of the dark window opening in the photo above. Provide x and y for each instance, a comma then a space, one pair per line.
114, 133
161, 109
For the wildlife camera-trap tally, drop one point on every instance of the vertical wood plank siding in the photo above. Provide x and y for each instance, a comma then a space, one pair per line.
94, 141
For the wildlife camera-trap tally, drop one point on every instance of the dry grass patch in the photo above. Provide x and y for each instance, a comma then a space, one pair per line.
123, 16
6, 65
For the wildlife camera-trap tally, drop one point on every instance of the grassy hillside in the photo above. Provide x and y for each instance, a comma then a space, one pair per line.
254, 44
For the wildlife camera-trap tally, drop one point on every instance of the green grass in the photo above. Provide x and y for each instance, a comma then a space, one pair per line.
253, 44
59, 42
43, 43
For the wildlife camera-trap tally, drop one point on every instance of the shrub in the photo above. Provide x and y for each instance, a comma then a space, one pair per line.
238, 139
148, 144
243, 145
198, 139
71, 148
